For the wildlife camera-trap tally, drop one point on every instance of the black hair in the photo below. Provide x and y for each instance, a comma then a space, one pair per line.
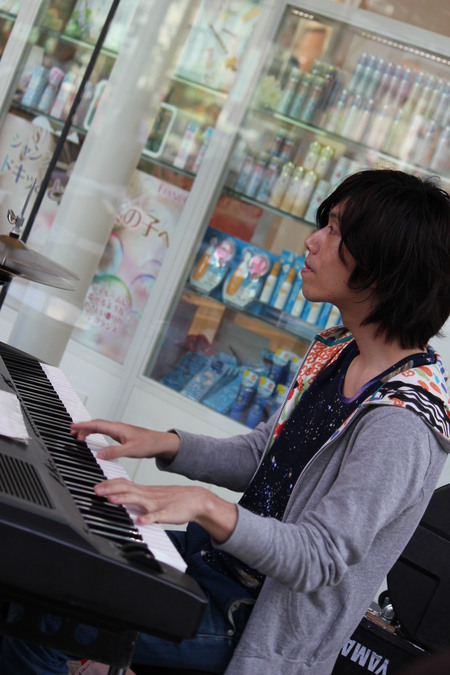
396, 226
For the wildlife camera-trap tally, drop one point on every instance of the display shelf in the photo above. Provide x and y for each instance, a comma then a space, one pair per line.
45, 32
192, 106
328, 50
200, 86
220, 346
277, 319
198, 90
374, 157
267, 207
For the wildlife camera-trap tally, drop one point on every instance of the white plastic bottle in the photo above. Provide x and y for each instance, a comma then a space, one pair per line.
292, 190
304, 193
281, 185
270, 283
298, 304
314, 312
285, 289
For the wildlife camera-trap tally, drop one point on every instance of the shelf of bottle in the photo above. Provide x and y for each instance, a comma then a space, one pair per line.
231, 192
200, 86
285, 323
57, 124
44, 32
368, 151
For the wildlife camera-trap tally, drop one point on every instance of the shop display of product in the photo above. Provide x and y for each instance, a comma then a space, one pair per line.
286, 186
271, 280
257, 174
243, 283
246, 393
213, 262
324, 124
264, 392
64, 96
292, 189
49, 94
35, 88
387, 106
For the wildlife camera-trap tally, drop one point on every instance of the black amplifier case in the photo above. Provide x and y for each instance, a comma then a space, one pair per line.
414, 618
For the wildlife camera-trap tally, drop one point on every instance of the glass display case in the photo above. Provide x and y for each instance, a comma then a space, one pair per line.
340, 91
193, 301
202, 64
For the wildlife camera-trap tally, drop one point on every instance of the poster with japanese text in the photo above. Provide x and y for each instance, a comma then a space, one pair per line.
26, 149
130, 264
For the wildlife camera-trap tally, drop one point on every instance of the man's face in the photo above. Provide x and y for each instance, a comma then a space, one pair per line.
325, 275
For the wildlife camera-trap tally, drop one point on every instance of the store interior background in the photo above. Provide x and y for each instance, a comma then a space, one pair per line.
124, 384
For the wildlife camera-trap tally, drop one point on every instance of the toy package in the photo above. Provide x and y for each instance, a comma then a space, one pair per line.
216, 255
243, 283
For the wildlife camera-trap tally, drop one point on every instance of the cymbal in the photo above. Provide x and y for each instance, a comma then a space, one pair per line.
16, 259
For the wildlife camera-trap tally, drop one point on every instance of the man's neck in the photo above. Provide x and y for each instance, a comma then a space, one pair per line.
375, 356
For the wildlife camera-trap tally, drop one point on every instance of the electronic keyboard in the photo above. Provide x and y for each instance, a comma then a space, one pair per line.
64, 548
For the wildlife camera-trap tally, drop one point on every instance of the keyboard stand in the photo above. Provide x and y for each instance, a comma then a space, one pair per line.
113, 645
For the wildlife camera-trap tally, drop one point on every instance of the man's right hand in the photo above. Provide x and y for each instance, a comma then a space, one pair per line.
134, 441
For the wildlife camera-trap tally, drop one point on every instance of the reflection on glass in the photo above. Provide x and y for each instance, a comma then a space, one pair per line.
332, 99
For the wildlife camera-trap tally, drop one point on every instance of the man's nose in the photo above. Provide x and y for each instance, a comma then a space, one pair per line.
312, 241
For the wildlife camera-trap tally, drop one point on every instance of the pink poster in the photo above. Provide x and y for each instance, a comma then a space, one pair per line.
130, 264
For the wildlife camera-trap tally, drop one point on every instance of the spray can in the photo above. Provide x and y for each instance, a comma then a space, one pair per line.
336, 115
358, 72
49, 94
257, 174
308, 111
287, 148
245, 171
441, 156
324, 162
349, 122
301, 95
64, 97
289, 91
268, 181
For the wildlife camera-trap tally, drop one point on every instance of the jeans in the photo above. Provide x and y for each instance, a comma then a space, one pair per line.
229, 607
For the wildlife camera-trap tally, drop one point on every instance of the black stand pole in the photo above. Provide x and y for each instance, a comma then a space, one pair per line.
68, 123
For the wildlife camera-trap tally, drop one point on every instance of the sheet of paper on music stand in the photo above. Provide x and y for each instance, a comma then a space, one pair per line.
12, 423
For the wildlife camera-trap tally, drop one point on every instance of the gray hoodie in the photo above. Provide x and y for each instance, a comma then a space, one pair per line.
349, 517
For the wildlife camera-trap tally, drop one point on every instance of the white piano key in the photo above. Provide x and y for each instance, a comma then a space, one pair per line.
153, 535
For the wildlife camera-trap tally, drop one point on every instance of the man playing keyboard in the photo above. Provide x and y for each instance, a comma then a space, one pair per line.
336, 482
